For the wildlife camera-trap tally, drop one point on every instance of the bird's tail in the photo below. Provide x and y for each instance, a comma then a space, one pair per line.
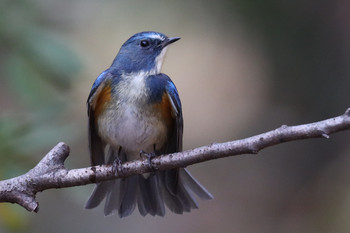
174, 188
151, 194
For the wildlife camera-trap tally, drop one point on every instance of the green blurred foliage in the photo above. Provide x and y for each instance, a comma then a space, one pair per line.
37, 69
13, 219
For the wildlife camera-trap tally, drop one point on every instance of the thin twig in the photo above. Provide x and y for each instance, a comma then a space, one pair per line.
50, 171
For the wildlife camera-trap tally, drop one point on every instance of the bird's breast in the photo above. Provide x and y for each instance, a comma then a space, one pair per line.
132, 121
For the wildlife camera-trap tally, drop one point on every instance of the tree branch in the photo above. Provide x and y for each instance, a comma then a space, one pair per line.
50, 171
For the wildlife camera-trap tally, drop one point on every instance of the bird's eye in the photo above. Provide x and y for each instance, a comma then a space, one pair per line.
144, 43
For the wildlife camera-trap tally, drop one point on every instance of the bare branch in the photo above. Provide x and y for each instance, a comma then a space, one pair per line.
50, 171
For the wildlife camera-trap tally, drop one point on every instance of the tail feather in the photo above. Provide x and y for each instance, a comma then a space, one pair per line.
189, 199
171, 180
112, 198
128, 192
173, 203
192, 184
150, 199
182, 198
99, 193
151, 194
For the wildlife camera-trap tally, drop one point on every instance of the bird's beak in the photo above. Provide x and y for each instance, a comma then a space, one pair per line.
169, 41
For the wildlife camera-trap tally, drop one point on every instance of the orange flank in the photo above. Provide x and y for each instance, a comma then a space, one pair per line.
165, 109
102, 98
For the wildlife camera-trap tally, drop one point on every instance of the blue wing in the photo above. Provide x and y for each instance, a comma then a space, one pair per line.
175, 140
99, 80
162, 87
96, 145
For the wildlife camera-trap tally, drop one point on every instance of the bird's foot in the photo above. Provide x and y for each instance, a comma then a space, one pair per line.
149, 157
117, 166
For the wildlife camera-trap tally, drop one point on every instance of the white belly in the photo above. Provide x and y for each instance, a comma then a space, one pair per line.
132, 129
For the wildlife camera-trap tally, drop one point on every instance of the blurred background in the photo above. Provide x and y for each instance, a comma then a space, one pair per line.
241, 68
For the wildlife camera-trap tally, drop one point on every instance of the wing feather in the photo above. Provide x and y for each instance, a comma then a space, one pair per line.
96, 144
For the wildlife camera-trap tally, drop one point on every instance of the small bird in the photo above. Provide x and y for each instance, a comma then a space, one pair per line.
135, 110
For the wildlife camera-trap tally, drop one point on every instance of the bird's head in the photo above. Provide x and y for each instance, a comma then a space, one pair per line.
143, 52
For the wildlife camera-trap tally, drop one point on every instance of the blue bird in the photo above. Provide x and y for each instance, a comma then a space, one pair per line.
133, 109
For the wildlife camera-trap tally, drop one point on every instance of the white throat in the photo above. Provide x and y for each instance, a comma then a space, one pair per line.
159, 61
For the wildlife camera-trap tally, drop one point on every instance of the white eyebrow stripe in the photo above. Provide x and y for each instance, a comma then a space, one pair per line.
157, 36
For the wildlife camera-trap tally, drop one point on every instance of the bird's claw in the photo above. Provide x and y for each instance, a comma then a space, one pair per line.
149, 157
117, 166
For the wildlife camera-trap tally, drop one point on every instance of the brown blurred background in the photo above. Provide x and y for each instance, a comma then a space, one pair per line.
241, 68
